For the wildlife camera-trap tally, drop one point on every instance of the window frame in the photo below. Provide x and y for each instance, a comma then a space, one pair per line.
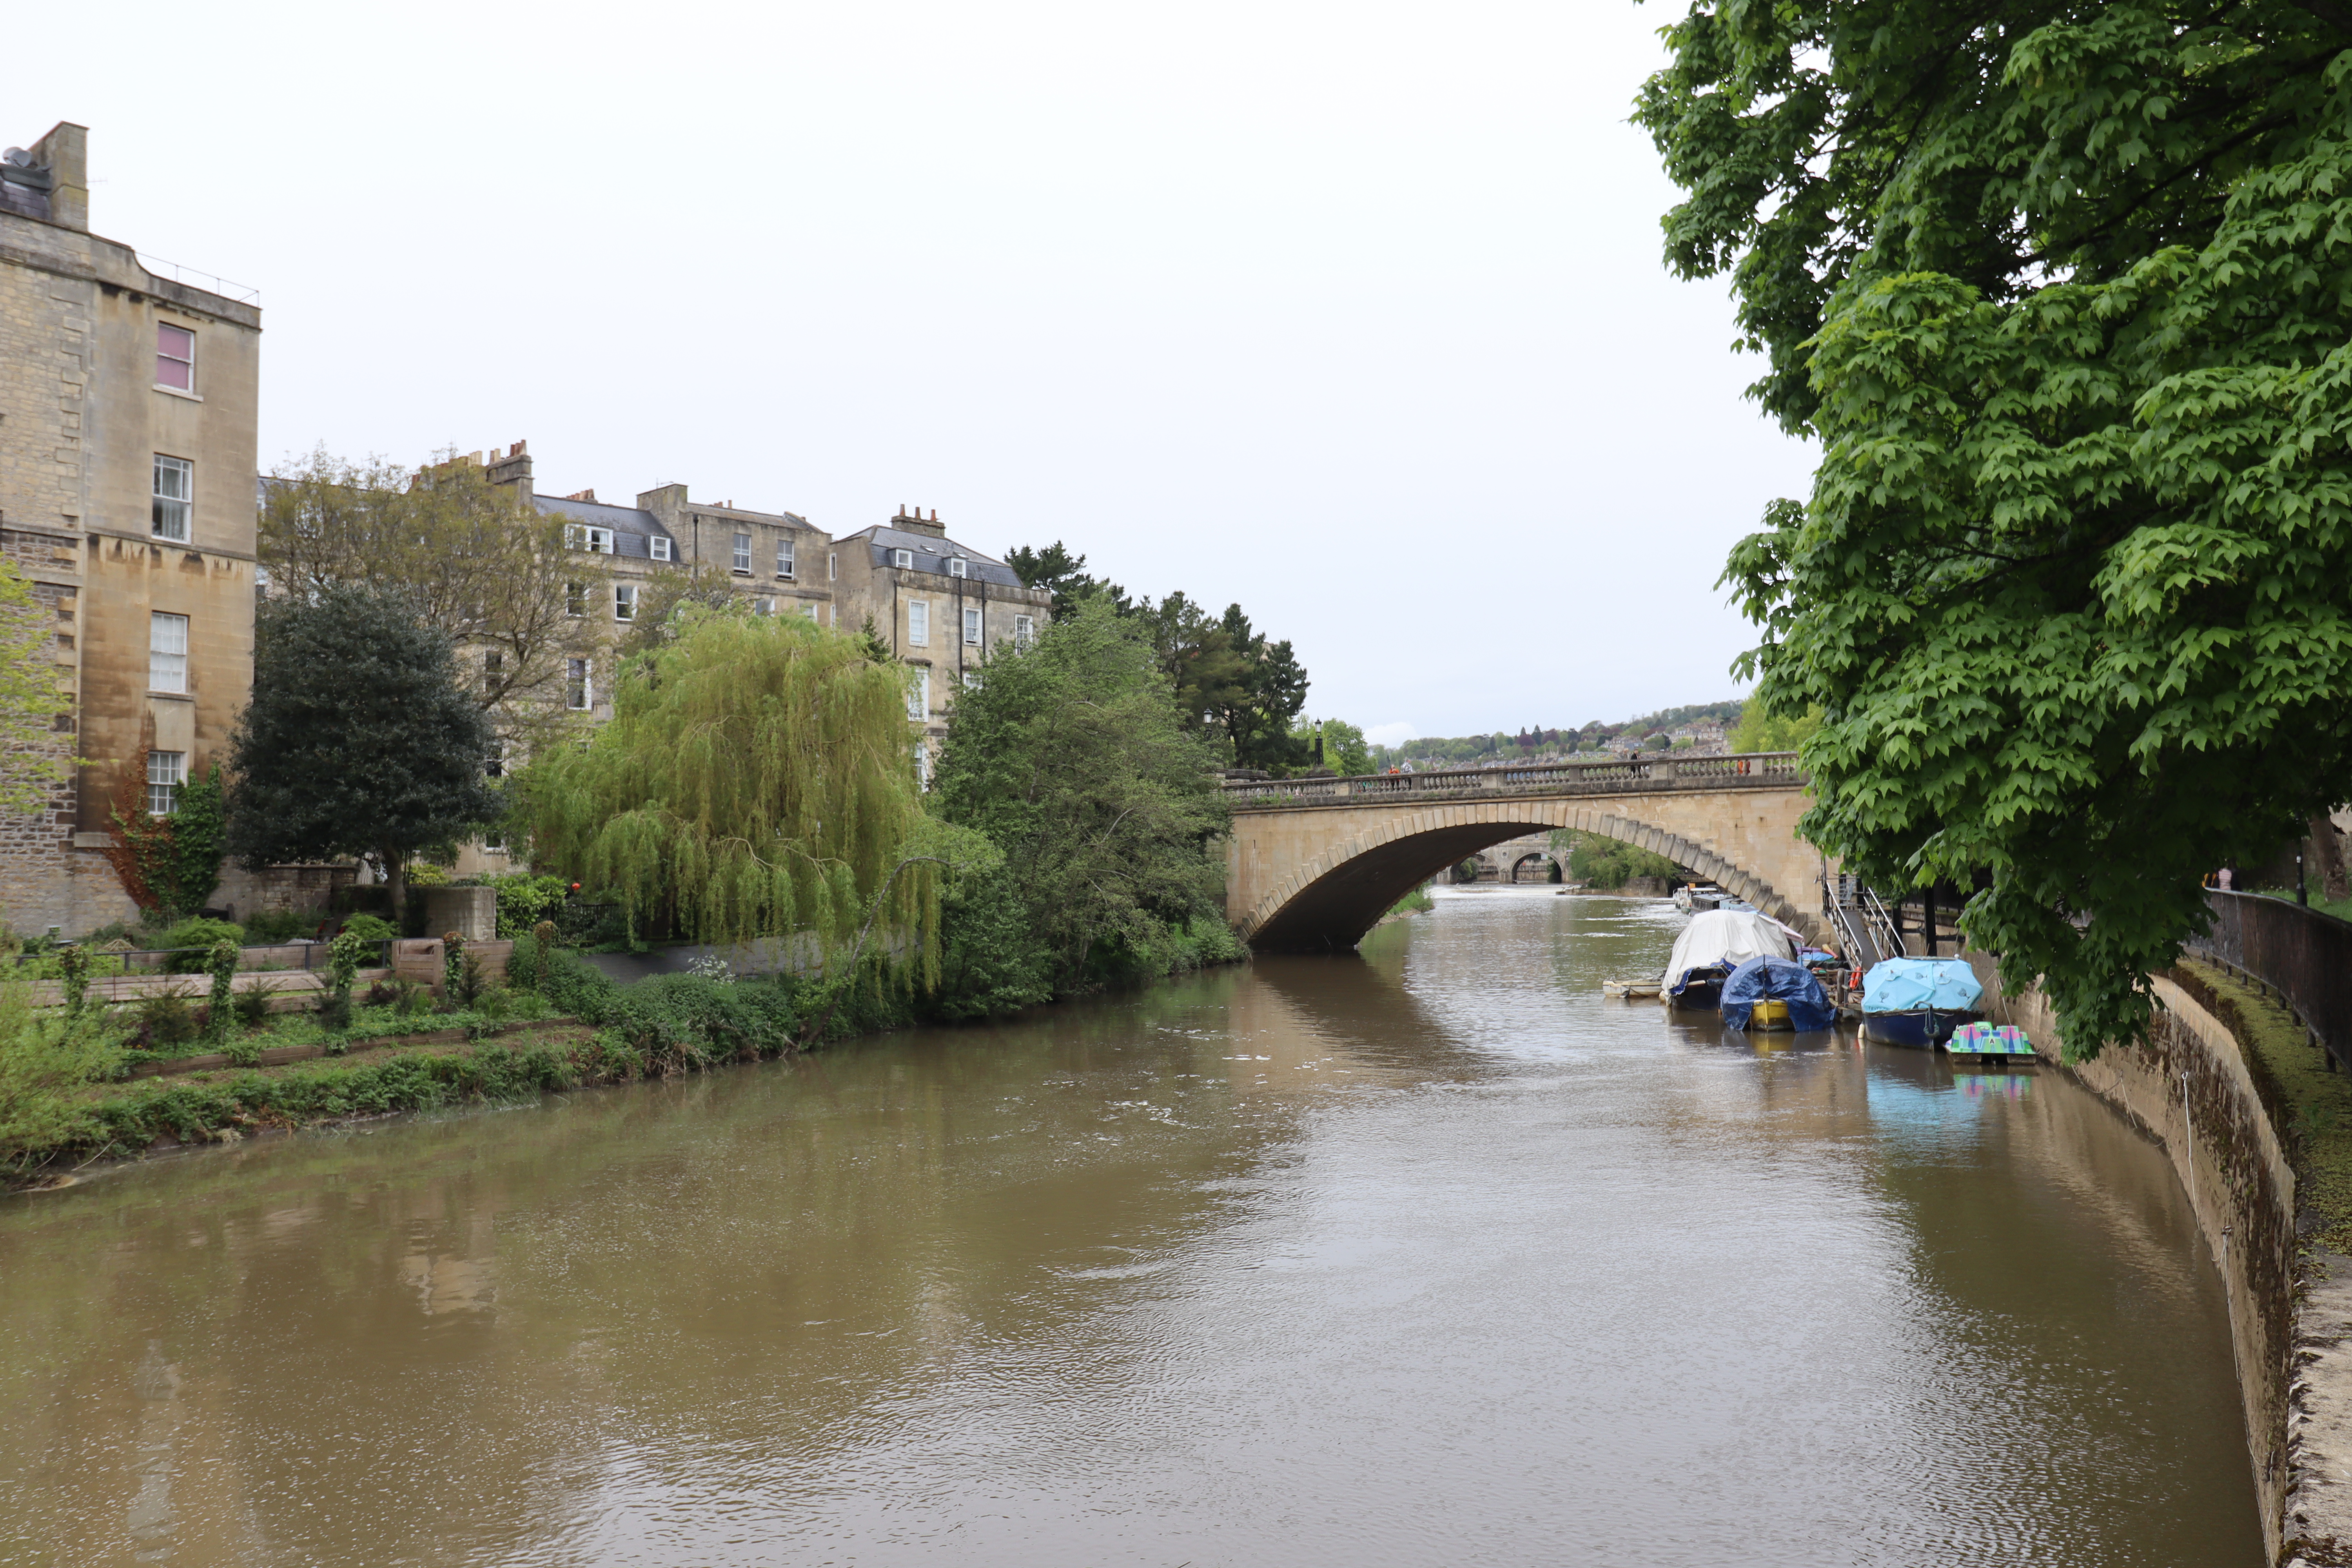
919, 623
742, 556
659, 546
185, 469
161, 359
579, 685
918, 694
624, 601
788, 563
575, 600
1024, 630
902, 560
175, 775
974, 626
958, 566
159, 621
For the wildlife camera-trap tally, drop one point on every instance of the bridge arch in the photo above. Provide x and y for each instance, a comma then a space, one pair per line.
1330, 895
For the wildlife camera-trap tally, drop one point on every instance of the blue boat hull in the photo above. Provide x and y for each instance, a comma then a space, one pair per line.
1922, 1028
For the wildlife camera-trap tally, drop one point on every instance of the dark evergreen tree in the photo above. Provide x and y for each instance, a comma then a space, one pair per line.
358, 739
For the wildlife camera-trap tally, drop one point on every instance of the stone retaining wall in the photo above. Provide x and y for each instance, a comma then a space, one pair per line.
2191, 1090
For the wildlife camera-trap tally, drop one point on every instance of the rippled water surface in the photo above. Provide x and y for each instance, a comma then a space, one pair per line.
1429, 1256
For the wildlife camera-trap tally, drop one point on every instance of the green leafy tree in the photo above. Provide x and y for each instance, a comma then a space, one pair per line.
1336, 744
2066, 295
1608, 863
757, 779
358, 739
1054, 568
1072, 758
1759, 731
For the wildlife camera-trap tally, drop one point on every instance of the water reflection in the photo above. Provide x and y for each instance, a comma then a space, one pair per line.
1429, 1255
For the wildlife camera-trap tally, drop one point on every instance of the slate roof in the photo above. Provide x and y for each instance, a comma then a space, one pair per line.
931, 555
631, 527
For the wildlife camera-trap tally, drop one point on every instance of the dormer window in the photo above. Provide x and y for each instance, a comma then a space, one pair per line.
902, 559
660, 548
956, 565
581, 536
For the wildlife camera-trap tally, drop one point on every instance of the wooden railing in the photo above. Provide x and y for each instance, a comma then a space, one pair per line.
1665, 771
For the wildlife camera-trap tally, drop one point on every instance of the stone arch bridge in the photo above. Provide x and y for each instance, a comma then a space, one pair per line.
1314, 863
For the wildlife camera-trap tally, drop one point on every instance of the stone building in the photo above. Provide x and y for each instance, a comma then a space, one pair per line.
937, 605
127, 407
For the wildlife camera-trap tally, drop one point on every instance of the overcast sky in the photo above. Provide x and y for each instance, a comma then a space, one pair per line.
1353, 314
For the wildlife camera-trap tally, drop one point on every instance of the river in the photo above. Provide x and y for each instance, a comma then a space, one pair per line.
1430, 1255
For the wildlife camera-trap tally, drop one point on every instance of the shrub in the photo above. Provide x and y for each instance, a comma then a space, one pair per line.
165, 1021
524, 900
369, 928
201, 934
42, 1062
221, 1013
279, 925
253, 1006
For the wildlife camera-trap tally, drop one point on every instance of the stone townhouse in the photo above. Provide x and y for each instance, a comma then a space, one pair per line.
938, 604
128, 409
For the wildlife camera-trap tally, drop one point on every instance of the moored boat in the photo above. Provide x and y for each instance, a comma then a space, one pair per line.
1772, 992
1918, 1002
1715, 942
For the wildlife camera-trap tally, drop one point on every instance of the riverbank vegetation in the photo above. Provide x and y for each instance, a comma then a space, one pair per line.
1605, 865
2089, 274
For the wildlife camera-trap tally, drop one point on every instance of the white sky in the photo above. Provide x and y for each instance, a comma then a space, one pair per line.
1351, 312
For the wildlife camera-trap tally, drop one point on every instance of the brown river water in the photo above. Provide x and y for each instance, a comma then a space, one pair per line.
1430, 1255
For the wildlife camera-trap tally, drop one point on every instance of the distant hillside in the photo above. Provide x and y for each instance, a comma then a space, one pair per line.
1530, 744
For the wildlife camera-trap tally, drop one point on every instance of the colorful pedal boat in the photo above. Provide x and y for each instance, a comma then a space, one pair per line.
1990, 1043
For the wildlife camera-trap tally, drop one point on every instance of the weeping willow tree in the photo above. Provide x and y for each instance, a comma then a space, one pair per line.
757, 779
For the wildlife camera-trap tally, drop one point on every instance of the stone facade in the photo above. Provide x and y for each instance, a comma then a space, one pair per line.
110, 377
939, 605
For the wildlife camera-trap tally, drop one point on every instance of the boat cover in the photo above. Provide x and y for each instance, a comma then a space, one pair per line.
1727, 937
1785, 978
1909, 984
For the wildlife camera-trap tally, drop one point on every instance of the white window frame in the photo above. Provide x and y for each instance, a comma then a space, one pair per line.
922, 765
787, 559
971, 626
166, 772
579, 684
167, 652
169, 507
659, 546
624, 601
575, 598
743, 553
1024, 630
958, 566
764, 605
815, 612
494, 766
919, 623
918, 694
589, 537
904, 560
190, 333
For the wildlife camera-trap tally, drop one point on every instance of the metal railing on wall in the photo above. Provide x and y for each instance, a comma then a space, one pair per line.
1664, 771
2304, 955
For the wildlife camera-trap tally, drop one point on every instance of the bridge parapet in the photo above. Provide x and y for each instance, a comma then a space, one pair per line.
1747, 770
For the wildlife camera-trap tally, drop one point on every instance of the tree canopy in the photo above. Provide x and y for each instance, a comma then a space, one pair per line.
1234, 686
357, 740
757, 779
1071, 757
2064, 291
502, 580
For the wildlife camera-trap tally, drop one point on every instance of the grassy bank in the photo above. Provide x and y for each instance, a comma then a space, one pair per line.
2310, 1106
659, 1027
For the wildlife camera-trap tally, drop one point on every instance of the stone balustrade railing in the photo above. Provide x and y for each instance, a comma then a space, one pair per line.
1747, 769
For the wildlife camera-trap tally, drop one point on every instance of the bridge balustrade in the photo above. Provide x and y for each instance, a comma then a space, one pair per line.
1663, 772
